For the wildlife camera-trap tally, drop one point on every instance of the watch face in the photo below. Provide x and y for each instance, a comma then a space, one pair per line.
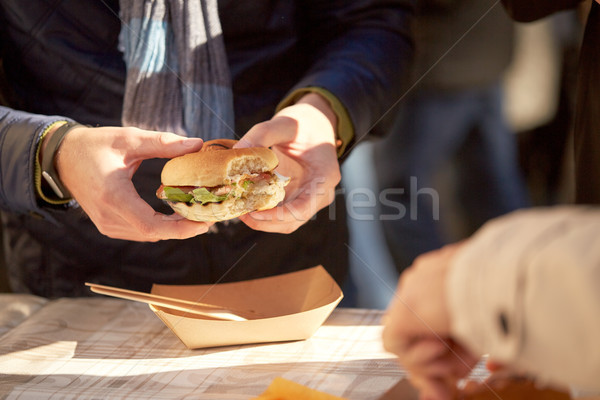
52, 183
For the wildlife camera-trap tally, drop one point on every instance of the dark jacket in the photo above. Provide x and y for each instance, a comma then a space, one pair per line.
61, 60
587, 112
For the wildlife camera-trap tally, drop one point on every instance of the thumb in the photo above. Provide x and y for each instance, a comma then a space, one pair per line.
255, 137
243, 143
276, 131
165, 145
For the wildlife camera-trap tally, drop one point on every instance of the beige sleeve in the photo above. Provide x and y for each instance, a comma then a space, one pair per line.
526, 290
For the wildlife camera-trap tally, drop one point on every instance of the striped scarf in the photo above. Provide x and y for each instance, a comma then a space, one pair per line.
177, 72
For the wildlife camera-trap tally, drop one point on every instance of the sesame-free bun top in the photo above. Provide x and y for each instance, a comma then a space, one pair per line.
216, 164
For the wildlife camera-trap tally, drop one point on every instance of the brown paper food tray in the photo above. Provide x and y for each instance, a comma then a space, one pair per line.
290, 306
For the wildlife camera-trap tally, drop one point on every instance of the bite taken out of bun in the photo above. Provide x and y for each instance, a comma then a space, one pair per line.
219, 183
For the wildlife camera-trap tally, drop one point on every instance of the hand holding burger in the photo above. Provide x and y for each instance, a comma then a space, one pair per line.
219, 183
97, 165
303, 136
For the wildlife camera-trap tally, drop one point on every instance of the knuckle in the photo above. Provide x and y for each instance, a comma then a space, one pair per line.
146, 230
161, 139
129, 130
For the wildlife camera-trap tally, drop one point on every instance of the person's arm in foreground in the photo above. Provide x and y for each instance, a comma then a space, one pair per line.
96, 166
525, 289
360, 51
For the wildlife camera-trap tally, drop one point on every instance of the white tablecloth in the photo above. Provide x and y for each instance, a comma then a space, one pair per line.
103, 348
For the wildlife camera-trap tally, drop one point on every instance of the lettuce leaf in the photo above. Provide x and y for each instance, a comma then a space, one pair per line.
202, 195
176, 194
198, 195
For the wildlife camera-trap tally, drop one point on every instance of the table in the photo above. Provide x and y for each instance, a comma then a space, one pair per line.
92, 348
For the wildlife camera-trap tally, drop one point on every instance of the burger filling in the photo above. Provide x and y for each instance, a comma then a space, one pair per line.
236, 189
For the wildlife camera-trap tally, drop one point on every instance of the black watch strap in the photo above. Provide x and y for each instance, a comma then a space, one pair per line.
49, 173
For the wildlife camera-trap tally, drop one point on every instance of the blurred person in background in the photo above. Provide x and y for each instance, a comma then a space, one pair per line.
452, 117
541, 90
586, 119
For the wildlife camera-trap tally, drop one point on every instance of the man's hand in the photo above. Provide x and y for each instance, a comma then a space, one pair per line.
417, 328
97, 164
303, 137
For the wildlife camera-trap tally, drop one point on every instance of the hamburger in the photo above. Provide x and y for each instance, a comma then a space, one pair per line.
219, 182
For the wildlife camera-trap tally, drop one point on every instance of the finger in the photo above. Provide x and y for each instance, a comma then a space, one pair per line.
394, 340
448, 366
262, 134
424, 351
433, 357
441, 368
163, 228
271, 221
157, 226
150, 144
181, 229
143, 223
287, 217
178, 230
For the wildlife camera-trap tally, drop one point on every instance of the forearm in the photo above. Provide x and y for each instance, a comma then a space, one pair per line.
361, 51
526, 290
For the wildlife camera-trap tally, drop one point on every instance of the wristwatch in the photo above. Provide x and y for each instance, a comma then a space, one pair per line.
49, 173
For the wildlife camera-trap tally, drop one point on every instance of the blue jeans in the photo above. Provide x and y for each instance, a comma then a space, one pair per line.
433, 130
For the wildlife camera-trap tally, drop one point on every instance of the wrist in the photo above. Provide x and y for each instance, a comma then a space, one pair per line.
47, 135
323, 105
52, 186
